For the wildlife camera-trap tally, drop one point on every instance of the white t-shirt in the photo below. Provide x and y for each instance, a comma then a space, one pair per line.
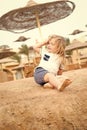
50, 61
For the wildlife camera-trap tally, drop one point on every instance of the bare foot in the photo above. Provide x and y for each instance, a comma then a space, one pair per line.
48, 85
66, 83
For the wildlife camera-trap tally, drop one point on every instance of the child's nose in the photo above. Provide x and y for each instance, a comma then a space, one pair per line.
49, 44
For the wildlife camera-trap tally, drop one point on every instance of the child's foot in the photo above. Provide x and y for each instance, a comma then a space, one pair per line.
64, 84
48, 85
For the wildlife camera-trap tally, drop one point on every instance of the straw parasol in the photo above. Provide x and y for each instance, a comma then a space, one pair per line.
21, 39
35, 15
75, 45
6, 53
77, 31
5, 60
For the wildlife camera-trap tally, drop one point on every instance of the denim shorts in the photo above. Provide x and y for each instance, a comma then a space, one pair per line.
39, 75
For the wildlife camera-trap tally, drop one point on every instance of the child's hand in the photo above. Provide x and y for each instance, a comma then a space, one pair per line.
60, 72
46, 41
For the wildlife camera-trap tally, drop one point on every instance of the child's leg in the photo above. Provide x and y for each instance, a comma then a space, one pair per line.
51, 79
59, 82
64, 82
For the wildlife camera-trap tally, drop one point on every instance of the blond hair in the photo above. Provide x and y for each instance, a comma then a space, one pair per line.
61, 43
61, 46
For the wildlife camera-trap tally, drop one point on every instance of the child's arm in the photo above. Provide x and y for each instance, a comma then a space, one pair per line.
61, 69
38, 46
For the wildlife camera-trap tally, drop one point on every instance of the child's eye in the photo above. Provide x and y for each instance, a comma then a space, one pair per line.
47, 43
52, 43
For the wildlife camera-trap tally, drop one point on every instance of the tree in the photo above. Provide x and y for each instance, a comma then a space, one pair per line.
68, 43
24, 49
16, 57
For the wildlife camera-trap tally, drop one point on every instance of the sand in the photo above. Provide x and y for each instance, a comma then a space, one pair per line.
24, 105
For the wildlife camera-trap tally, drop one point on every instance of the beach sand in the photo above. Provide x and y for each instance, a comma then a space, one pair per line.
24, 105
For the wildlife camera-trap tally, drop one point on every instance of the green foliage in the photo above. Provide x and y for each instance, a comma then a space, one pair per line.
67, 41
24, 49
16, 57
69, 52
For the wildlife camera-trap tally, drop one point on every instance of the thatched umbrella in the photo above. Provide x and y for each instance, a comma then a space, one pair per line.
77, 31
22, 39
35, 15
5, 60
75, 45
6, 53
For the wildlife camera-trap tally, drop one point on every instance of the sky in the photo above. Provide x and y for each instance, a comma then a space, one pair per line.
64, 27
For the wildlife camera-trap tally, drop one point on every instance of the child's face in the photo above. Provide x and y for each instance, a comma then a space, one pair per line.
52, 46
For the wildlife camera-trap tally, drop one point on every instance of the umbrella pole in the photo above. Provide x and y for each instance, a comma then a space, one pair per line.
38, 24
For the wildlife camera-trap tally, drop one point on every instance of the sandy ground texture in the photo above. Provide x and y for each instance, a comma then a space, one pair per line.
26, 106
